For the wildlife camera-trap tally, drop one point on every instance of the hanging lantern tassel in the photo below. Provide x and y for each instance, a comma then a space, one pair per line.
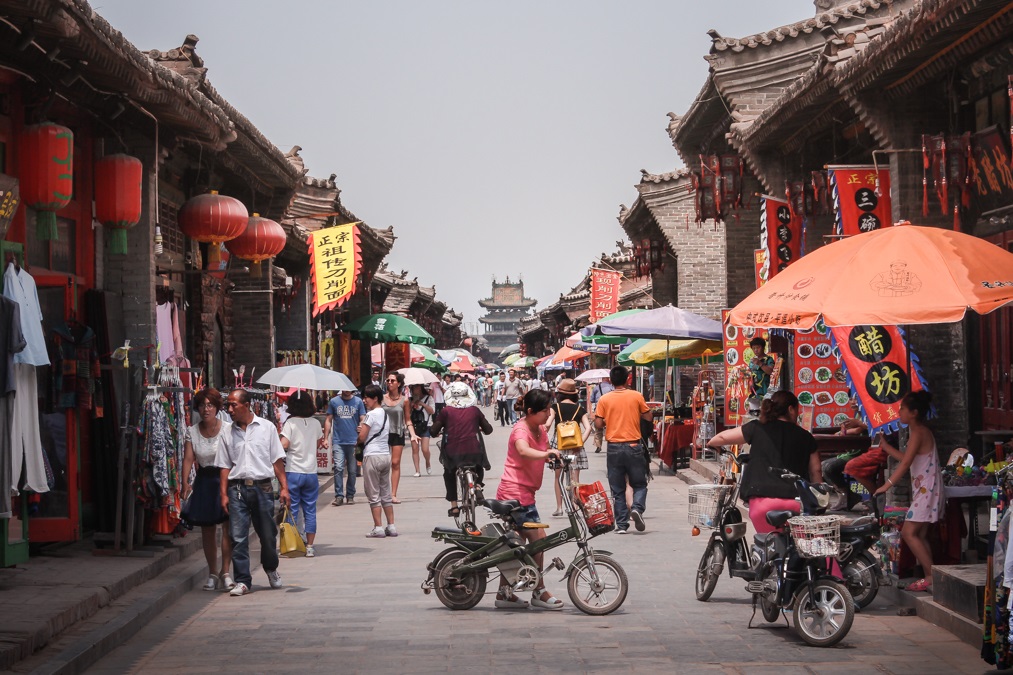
214, 255
256, 270
925, 179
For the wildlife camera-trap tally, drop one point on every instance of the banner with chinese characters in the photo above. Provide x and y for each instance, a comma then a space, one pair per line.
819, 380
760, 266
604, 293
861, 196
875, 362
780, 235
335, 261
738, 381
990, 174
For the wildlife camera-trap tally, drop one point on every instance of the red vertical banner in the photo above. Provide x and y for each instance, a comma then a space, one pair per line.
760, 266
604, 294
738, 381
861, 196
780, 235
875, 358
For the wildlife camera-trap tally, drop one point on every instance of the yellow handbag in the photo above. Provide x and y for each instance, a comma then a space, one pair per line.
292, 545
568, 436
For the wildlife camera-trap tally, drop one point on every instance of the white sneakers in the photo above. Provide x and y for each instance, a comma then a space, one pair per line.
211, 584
240, 589
274, 579
390, 531
376, 533
310, 551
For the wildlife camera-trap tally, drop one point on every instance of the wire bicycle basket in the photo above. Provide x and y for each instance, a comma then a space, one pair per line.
706, 503
816, 536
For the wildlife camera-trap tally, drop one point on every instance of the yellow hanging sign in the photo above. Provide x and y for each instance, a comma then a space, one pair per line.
335, 261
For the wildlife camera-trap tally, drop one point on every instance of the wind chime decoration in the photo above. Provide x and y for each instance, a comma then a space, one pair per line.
118, 197
47, 174
947, 159
261, 240
212, 219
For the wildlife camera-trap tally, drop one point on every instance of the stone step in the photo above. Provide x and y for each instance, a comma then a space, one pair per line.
706, 468
960, 588
963, 628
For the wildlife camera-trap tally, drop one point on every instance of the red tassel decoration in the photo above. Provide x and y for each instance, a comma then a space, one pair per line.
925, 179
944, 169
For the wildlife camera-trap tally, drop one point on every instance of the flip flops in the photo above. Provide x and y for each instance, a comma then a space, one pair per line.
920, 585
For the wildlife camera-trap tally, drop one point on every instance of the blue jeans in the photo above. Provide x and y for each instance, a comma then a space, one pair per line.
344, 456
511, 413
252, 504
303, 490
626, 461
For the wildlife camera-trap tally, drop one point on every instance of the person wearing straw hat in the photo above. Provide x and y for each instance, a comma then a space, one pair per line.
567, 409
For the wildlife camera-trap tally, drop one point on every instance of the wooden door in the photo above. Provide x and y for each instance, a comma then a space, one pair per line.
997, 359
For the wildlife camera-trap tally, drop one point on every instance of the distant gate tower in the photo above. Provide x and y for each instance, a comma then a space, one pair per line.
506, 308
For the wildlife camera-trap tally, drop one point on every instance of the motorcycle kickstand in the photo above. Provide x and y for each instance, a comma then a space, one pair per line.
750, 624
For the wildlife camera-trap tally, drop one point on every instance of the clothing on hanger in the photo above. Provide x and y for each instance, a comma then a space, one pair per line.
19, 286
12, 341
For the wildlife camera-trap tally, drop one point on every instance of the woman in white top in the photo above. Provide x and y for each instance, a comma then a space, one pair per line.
205, 507
423, 407
301, 435
374, 430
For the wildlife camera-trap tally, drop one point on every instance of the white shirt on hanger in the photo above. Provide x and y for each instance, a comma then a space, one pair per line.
19, 286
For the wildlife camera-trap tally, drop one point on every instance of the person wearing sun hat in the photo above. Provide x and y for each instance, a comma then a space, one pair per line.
565, 409
459, 422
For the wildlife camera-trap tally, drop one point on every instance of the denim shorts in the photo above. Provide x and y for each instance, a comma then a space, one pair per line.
527, 514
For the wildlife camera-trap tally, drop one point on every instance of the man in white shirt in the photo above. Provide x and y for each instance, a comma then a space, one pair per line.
498, 389
248, 457
513, 389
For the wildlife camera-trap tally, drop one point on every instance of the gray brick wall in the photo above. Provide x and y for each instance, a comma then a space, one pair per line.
253, 320
292, 326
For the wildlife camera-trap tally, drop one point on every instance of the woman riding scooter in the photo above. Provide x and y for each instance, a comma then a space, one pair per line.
775, 440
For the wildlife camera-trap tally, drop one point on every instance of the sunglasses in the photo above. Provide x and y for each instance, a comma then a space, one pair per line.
392, 380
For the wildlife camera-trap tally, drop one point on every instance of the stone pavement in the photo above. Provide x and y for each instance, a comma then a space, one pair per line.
357, 607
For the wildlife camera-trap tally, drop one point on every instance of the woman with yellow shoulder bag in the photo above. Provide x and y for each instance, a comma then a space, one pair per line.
568, 427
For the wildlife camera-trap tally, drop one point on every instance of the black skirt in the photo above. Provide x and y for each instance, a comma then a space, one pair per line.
204, 507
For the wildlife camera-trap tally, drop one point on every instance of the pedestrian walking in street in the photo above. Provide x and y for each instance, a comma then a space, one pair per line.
436, 391
248, 457
527, 450
423, 407
567, 409
341, 433
597, 391
619, 412
301, 435
374, 435
398, 409
459, 424
513, 390
499, 392
205, 505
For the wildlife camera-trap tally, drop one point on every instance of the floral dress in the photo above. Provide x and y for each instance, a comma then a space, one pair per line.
926, 488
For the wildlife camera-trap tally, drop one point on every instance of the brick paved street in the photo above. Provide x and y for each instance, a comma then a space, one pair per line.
357, 607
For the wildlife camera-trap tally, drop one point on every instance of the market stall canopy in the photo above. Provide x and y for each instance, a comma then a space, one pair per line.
565, 354
521, 361
590, 336
662, 323
419, 356
462, 365
898, 275
307, 376
645, 352
388, 328
594, 375
542, 360
417, 376
509, 349
512, 359
577, 341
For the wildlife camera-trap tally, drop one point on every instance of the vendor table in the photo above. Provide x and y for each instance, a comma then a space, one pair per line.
677, 436
972, 495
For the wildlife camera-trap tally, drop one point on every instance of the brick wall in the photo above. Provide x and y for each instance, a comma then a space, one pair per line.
253, 320
293, 325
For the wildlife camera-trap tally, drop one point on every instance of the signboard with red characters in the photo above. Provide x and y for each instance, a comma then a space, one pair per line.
875, 359
738, 381
820, 381
861, 196
780, 234
604, 294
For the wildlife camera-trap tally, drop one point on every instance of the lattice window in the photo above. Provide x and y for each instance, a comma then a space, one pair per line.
172, 237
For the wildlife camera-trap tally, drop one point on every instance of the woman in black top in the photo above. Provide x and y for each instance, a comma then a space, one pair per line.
775, 440
566, 409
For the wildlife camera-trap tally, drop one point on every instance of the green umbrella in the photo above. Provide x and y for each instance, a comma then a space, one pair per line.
388, 328
599, 339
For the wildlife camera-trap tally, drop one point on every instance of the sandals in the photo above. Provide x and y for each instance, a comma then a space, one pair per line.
454, 511
510, 601
920, 585
553, 603
395, 500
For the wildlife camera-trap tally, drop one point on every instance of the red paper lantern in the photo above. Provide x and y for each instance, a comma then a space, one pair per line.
262, 239
212, 219
47, 173
118, 197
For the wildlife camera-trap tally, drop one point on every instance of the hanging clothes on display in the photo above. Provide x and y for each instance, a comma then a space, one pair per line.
77, 369
12, 341
995, 648
26, 441
164, 420
170, 341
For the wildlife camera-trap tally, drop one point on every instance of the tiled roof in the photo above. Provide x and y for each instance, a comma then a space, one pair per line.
647, 177
400, 299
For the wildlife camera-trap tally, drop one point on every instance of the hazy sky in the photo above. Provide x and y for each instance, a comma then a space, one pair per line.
496, 138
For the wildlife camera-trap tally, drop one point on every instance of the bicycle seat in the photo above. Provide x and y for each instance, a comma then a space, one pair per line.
503, 508
779, 518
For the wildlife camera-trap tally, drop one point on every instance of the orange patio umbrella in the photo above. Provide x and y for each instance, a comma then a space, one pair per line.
898, 275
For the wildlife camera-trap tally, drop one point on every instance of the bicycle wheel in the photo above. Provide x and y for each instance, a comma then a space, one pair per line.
604, 596
466, 491
825, 618
458, 591
861, 578
711, 565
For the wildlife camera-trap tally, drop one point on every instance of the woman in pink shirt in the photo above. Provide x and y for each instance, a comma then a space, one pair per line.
527, 451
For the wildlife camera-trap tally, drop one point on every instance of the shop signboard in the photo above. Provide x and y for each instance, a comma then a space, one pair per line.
604, 294
760, 266
876, 365
819, 379
780, 235
861, 196
990, 171
738, 382
335, 261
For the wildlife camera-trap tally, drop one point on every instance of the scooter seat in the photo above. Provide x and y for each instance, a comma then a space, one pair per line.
779, 518
503, 508
860, 528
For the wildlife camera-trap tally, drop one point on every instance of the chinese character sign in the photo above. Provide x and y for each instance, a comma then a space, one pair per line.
604, 294
875, 359
335, 260
990, 172
861, 196
738, 381
780, 235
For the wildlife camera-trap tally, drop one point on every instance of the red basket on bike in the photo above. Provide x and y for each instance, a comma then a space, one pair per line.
597, 508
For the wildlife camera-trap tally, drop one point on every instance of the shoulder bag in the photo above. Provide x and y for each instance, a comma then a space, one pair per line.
568, 435
361, 447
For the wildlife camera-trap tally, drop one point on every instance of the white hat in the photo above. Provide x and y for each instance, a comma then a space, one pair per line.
460, 395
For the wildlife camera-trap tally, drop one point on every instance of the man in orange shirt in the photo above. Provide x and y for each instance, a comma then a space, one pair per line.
619, 412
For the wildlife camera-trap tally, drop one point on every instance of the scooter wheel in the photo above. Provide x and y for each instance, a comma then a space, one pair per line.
602, 596
458, 591
709, 570
823, 619
860, 574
